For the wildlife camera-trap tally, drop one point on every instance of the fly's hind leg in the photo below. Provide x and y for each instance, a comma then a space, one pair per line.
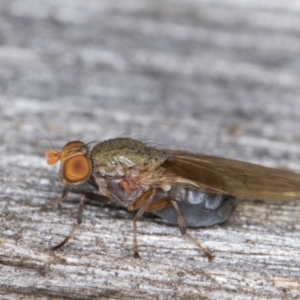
91, 196
166, 202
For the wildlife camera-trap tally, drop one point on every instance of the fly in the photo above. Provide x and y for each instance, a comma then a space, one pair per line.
186, 189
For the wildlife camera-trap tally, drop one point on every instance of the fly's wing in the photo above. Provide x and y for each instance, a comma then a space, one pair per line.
227, 176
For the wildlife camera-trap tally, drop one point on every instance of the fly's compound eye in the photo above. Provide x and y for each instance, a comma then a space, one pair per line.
76, 169
75, 163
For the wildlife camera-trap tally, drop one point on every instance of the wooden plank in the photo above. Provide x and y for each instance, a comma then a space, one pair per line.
219, 78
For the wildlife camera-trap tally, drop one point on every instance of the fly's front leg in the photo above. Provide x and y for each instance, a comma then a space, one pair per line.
91, 196
62, 198
141, 204
166, 202
58, 200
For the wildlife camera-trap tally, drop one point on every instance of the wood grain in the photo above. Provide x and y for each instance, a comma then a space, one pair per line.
217, 77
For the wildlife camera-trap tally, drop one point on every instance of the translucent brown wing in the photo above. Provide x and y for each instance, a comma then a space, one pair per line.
227, 176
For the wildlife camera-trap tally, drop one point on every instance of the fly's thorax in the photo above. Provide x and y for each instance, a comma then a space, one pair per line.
116, 157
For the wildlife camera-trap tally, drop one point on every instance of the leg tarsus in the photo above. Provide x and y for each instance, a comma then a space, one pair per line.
80, 215
184, 232
62, 198
148, 197
166, 202
67, 238
135, 244
205, 252
79, 220
57, 200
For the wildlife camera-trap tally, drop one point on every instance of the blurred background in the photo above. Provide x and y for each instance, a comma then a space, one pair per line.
216, 77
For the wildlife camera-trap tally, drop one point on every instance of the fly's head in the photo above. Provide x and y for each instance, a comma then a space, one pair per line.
75, 165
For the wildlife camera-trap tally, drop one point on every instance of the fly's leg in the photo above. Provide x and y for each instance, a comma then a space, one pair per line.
91, 196
165, 202
62, 198
79, 221
184, 232
141, 204
58, 200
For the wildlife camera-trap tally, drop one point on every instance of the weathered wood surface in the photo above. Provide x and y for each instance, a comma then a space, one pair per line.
220, 77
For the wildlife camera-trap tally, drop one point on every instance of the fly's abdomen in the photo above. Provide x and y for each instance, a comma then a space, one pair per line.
199, 209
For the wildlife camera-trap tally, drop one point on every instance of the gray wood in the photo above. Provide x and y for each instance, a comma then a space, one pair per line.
218, 77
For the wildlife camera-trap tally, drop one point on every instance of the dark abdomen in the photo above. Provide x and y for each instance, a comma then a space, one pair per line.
199, 209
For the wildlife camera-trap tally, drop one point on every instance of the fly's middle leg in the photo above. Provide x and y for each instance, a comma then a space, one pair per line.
141, 204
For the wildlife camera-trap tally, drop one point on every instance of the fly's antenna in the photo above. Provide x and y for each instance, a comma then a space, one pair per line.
45, 138
53, 156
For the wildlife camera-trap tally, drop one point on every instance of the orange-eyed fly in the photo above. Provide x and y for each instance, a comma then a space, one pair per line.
75, 163
190, 190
